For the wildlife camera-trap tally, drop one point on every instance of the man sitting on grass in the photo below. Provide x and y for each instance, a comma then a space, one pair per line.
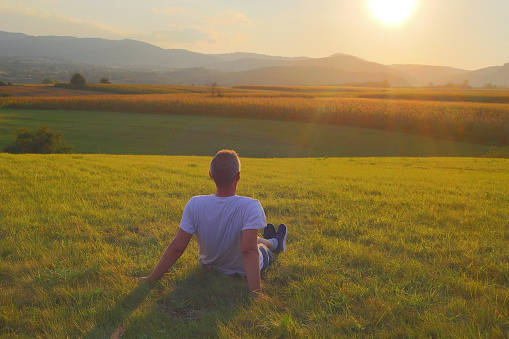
226, 226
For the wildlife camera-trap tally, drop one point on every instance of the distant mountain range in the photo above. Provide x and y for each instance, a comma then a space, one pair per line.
25, 58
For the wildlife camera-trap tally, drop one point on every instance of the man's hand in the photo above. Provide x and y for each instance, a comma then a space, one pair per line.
145, 280
258, 296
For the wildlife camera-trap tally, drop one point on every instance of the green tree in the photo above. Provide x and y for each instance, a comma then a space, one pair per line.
41, 140
48, 81
105, 80
78, 79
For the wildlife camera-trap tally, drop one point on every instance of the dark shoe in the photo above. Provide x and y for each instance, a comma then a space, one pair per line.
281, 234
269, 232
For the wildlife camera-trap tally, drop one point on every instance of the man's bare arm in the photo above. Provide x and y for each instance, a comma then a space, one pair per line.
171, 255
251, 258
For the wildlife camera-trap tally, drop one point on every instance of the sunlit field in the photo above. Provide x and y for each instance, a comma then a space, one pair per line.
165, 134
398, 247
484, 123
402, 245
428, 94
137, 89
487, 96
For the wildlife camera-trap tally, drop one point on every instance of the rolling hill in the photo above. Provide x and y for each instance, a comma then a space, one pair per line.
427, 74
304, 75
118, 53
129, 61
496, 75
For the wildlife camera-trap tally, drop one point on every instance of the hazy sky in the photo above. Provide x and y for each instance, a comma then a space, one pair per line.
468, 34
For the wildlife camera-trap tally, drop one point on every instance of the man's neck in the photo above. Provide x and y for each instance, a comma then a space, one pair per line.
224, 192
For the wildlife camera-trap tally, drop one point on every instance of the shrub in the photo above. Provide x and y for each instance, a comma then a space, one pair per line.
42, 140
2, 83
49, 81
78, 80
105, 80
498, 152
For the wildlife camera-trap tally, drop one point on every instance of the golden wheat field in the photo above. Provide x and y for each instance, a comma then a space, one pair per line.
459, 119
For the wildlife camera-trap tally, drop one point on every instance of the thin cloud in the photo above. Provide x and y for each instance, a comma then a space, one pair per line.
225, 30
175, 37
231, 18
38, 21
168, 10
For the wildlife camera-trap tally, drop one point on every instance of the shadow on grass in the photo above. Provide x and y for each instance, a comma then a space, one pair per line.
196, 307
110, 324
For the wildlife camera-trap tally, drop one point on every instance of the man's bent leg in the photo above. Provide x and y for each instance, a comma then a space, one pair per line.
265, 242
271, 244
266, 256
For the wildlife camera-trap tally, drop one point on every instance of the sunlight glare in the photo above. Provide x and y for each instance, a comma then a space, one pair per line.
391, 11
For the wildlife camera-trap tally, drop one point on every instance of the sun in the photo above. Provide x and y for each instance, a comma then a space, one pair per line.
391, 11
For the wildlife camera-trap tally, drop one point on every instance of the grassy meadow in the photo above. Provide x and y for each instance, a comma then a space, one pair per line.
378, 247
163, 134
481, 123
397, 228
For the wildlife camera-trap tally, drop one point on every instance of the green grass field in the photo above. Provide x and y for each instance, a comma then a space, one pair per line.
133, 133
386, 241
481, 123
378, 247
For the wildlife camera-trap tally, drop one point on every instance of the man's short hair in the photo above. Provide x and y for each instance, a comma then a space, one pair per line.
224, 167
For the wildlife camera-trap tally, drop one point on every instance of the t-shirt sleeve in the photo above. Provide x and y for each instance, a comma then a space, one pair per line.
255, 216
187, 223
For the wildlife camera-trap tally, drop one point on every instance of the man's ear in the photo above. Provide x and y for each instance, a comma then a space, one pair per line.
237, 177
210, 175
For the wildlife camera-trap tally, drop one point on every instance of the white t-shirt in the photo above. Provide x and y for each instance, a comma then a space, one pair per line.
218, 223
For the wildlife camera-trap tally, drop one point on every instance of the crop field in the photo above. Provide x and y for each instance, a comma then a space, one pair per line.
427, 94
316, 90
487, 96
484, 123
44, 91
378, 247
137, 89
